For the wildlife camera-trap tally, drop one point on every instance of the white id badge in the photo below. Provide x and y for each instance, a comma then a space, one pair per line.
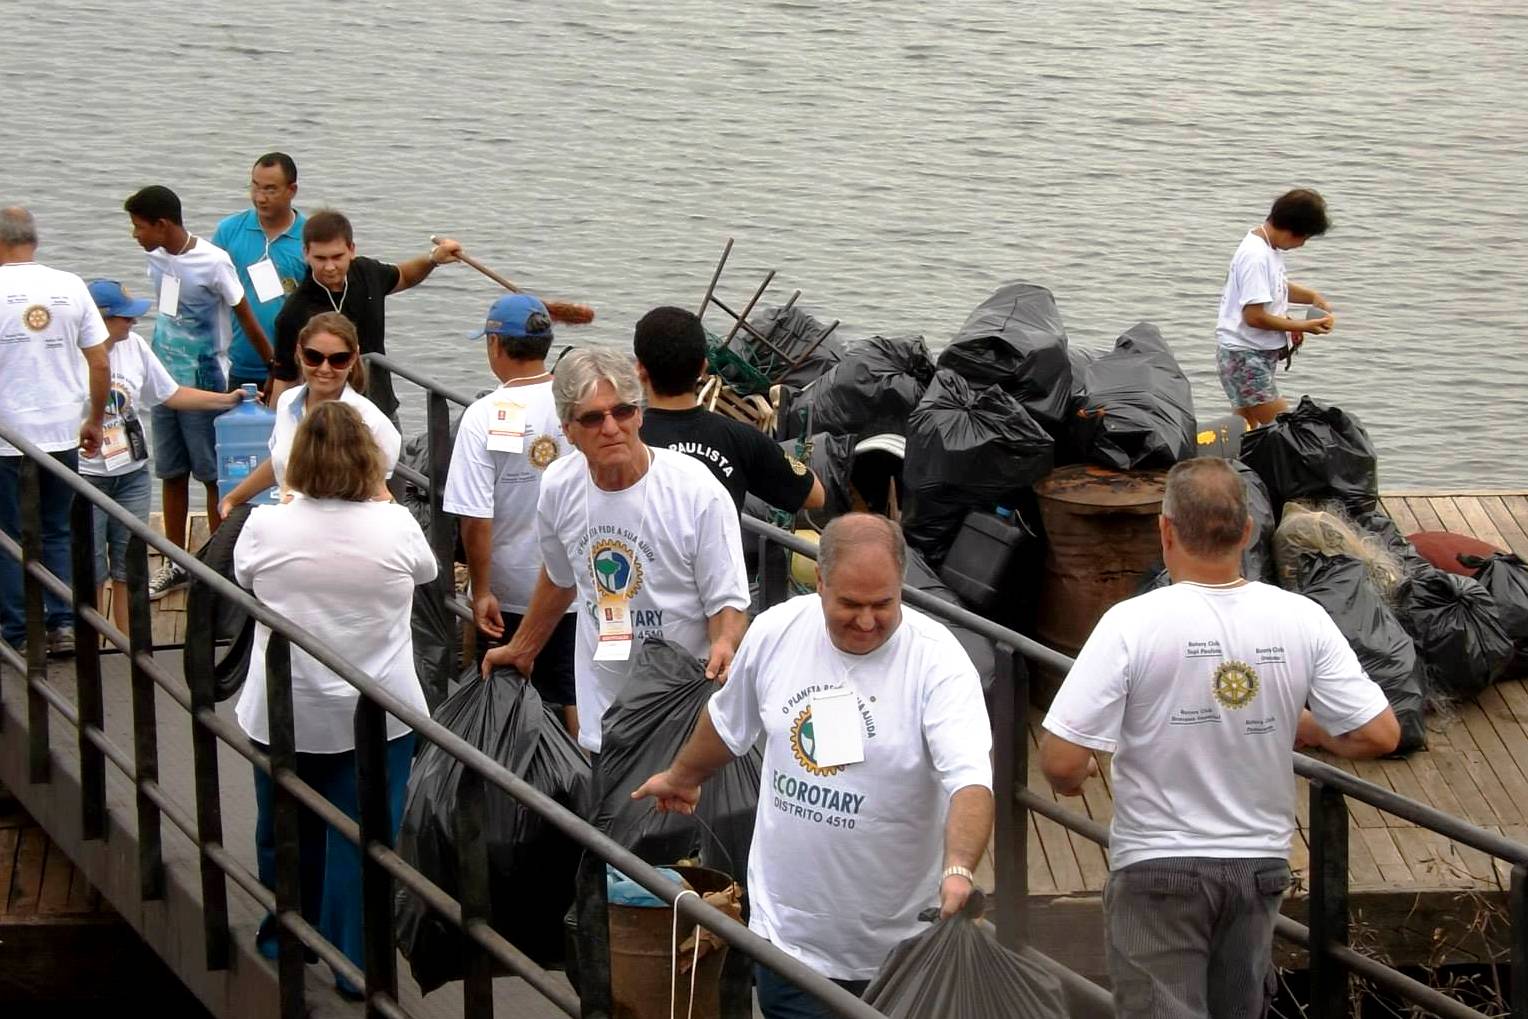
169, 295
836, 733
114, 447
614, 643
506, 427
266, 280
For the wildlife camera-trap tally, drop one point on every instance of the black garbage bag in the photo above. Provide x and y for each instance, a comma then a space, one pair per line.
641, 734
871, 391
983, 652
231, 624
1015, 339
794, 333
531, 864
832, 461
1137, 410
957, 970
1505, 576
1220, 436
1315, 454
436, 648
1378, 524
1457, 629
1341, 585
966, 449
415, 454
1257, 558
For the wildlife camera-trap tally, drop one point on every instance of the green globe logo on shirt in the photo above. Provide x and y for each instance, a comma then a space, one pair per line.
617, 572
804, 745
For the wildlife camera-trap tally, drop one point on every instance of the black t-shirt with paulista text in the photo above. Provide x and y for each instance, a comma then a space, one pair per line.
744, 459
364, 302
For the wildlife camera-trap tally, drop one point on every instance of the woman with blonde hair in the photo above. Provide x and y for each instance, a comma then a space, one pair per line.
330, 353
342, 563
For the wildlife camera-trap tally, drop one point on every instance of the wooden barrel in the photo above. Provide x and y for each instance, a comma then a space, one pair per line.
1101, 540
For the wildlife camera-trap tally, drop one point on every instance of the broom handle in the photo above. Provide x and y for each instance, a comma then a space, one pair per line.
502, 281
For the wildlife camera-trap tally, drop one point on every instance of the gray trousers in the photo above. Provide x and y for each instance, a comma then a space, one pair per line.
1190, 937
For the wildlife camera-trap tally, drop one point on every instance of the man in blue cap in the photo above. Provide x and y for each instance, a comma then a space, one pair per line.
504, 443
138, 381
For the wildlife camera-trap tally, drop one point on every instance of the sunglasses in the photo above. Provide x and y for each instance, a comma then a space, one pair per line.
596, 418
339, 359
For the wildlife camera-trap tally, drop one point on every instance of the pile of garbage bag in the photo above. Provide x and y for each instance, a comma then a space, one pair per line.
793, 332
1015, 340
1134, 405
531, 865
871, 390
1505, 577
1315, 454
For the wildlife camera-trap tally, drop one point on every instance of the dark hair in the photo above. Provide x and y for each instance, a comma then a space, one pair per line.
1302, 212
281, 159
670, 343
334, 455
335, 324
327, 225
525, 348
154, 203
1206, 502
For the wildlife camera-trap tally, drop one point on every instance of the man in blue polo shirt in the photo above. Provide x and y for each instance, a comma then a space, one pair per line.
265, 243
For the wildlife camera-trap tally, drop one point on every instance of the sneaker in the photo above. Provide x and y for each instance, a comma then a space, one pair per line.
61, 642
167, 578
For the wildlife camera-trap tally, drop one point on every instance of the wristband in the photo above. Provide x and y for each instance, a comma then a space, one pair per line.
964, 872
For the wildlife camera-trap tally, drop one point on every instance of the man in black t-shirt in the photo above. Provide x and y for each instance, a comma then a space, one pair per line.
670, 345
355, 286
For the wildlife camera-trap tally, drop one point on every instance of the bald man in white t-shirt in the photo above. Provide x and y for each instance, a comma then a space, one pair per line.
1201, 690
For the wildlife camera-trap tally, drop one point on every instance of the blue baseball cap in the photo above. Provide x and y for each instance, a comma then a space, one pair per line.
113, 301
516, 315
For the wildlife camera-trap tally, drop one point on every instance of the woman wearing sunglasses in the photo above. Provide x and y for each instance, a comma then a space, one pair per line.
330, 354
342, 565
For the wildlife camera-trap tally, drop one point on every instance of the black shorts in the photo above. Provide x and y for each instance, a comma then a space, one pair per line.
553, 675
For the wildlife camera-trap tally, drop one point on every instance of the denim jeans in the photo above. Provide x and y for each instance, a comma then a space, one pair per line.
781, 999
57, 500
132, 491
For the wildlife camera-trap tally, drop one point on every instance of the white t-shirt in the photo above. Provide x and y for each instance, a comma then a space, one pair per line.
193, 343
1197, 692
138, 382
346, 572
46, 319
1256, 276
503, 486
290, 408
670, 544
844, 858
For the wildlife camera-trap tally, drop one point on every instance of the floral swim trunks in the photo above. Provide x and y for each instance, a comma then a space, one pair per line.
1248, 375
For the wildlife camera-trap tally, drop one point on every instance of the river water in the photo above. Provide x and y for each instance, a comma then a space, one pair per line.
895, 161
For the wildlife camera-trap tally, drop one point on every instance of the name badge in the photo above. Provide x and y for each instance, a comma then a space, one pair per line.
114, 447
266, 280
614, 644
837, 738
169, 296
506, 427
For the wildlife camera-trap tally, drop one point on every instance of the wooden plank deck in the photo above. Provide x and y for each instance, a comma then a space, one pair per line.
1475, 767
36, 879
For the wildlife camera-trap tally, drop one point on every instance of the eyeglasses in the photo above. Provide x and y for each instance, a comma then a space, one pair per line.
339, 359
595, 418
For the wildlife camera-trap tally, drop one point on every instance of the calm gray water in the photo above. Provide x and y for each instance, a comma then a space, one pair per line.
893, 160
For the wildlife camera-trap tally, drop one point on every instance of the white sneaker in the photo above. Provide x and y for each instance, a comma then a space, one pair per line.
169, 577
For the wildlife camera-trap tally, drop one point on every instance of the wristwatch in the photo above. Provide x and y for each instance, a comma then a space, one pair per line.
964, 872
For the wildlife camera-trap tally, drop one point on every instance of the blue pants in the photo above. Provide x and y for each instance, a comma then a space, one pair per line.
781, 999
57, 500
331, 864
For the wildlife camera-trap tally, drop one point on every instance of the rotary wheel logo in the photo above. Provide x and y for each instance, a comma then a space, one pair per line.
796, 465
804, 745
543, 452
616, 570
1235, 684
37, 318
288, 285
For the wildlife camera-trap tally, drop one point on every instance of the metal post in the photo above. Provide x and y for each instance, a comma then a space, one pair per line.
201, 633
37, 631
140, 635
593, 942
1328, 900
87, 671
1010, 773
381, 953
442, 542
473, 892
1517, 906
287, 824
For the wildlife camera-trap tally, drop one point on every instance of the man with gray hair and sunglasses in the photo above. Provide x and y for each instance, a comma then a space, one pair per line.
647, 538
1201, 691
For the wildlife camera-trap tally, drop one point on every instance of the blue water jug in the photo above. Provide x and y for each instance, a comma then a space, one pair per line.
243, 438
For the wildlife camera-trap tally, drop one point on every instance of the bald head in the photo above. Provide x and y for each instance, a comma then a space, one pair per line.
1206, 502
17, 228
856, 532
